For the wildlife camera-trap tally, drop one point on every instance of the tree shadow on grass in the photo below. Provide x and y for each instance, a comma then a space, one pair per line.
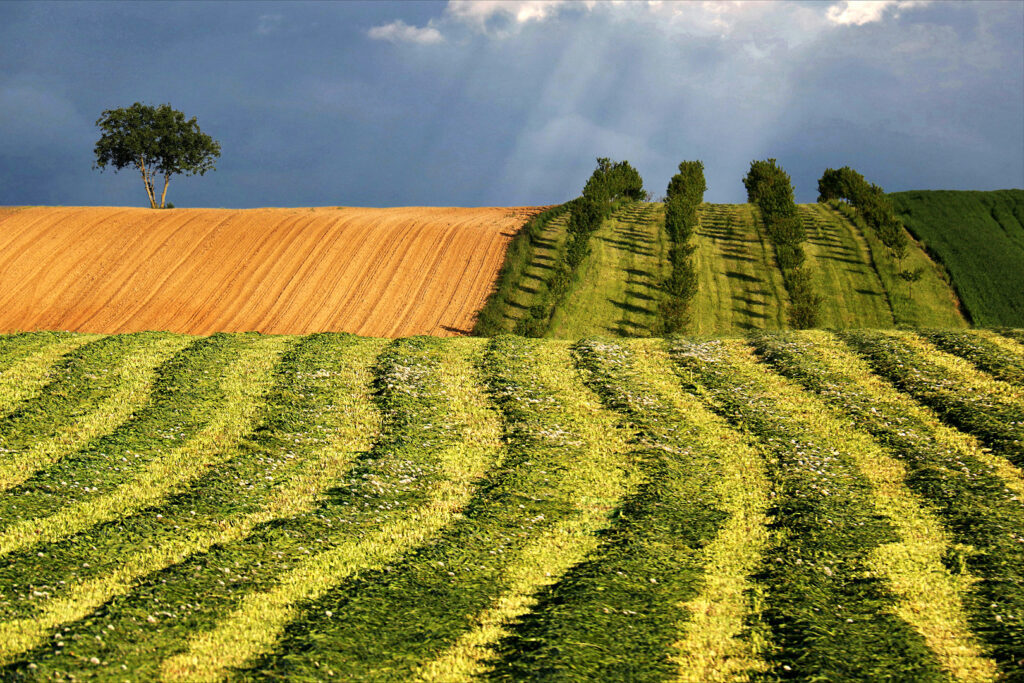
631, 307
742, 277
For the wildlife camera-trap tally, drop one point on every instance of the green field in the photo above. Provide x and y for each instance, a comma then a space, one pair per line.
532, 283
618, 285
979, 237
617, 288
739, 284
815, 505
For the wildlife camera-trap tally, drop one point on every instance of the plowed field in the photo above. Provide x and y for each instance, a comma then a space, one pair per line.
375, 272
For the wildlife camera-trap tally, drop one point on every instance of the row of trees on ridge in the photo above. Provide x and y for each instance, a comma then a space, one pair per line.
685, 193
770, 187
612, 184
874, 207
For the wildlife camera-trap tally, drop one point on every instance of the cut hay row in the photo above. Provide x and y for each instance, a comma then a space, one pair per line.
379, 272
840, 509
330, 506
25, 368
92, 390
971, 400
977, 497
1001, 358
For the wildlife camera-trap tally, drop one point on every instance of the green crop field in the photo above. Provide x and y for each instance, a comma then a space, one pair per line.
979, 237
617, 288
815, 506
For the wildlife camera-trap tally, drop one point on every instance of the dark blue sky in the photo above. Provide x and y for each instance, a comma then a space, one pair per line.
486, 103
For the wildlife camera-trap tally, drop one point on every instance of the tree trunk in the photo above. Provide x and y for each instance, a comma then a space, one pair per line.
148, 183
163, 196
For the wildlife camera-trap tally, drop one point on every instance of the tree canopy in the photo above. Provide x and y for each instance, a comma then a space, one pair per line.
156, 141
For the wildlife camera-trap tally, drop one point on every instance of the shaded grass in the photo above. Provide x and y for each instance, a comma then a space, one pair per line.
119, 489
185, 392
524, 273
979, 238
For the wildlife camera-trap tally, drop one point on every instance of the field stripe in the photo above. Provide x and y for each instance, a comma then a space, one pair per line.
1016, 335
714, 645
177, 408
396, 618
965, 398
27, 371
244, 383
932, 595
298, 415
294, 427
439, 436
618, 614
977, 496
97, 387
987, 351
14, 347
604, 474
826, 612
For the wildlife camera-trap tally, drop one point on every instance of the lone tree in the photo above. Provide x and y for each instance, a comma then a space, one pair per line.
155, 140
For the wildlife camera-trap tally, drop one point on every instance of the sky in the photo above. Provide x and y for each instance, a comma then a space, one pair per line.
478, 103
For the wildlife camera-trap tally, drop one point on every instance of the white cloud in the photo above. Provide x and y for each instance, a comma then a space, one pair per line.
400, 32
479, 12
860, 12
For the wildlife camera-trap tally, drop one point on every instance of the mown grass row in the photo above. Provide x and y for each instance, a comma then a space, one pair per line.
620, 614
991, 410
402, 615
91, 390
271, 474
985, 350
827, 611
26, 361
185, 393
438, 437
978, 502
336, 507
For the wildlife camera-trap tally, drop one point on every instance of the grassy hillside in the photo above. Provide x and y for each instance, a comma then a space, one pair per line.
979, 236
814, 505
739, 284
617, 288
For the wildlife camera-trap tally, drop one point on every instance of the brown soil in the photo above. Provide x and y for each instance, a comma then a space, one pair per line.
374, 272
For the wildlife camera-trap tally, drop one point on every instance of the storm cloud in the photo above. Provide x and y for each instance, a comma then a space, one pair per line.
485, 103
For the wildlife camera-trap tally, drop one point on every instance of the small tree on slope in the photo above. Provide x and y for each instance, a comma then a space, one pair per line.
156, 141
